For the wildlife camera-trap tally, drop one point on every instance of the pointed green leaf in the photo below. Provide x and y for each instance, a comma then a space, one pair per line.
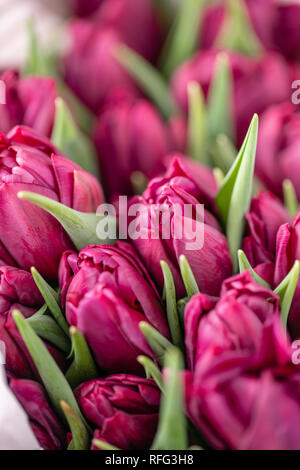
290, 198
223, 152
80, 226
149, 79
151, 370
180, 308
83, 367
103, 445
188, 277
220, 99
197, 132
244, 265
71, 141
172, 313
80, 435
172, 428
50, 297
234, 196
157, 342
182, 40
52, 377
38, 62
47, 328
286, 290
219, 176
237, 32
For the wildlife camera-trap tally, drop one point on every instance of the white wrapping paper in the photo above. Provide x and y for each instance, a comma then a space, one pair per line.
15, 432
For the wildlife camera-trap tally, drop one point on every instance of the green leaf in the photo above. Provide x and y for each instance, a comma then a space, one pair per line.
149, 79
103, 445
244, 265
80, 226
220, 99
172, 314
51, 298
219, 176
83, 367
188, 277
237, 32
197, 131
223, 152
290, 198
38, 62
151, 370
52, 377
157, 342
180, 308
182, 40
80, 435
286, 290
234, 196
47, 328
172, 427
68, 138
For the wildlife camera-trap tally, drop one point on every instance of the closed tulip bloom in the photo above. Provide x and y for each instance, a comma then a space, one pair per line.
270, 71
29, 101
130, 136
44, 424
28, 235
18, 291
123, 408
136, 21
236, 321
84, 7
109, 294
266, 215
164, 231
278, 147
90, 68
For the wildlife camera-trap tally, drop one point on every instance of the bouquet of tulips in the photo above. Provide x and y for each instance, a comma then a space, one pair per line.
149, 230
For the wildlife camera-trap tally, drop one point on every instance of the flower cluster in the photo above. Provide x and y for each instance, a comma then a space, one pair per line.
189, 313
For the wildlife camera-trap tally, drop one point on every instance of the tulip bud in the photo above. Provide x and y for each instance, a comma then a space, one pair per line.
123, 408
107, 289
44, 424
29, 163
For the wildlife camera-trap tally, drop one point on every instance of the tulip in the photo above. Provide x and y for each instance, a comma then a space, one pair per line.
18, 291
28, 235
136, 21
109, 291
123, 408
271, 72
236, 321
266, 215
44, 424
278, 147
84, 7
200, 240
275, 24
130, 136
29, 101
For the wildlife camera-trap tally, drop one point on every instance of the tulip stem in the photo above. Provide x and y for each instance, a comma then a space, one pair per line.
290, 198
80, 436
172, 314
157, 342
197, 130
151, 371
83, 367
188, 277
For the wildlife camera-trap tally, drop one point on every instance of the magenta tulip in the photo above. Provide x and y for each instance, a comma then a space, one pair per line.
28, 235
84, 7
45, 425
107, 293
123, 408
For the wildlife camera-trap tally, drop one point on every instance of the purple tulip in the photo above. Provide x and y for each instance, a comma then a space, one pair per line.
275, 23
28, 235
123, 408
271, 72
45, 425
130, 136
279, 147
107, 293
18, 291
266, 215
174, 193
29, 101
241, 361
235, 321
84, 7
